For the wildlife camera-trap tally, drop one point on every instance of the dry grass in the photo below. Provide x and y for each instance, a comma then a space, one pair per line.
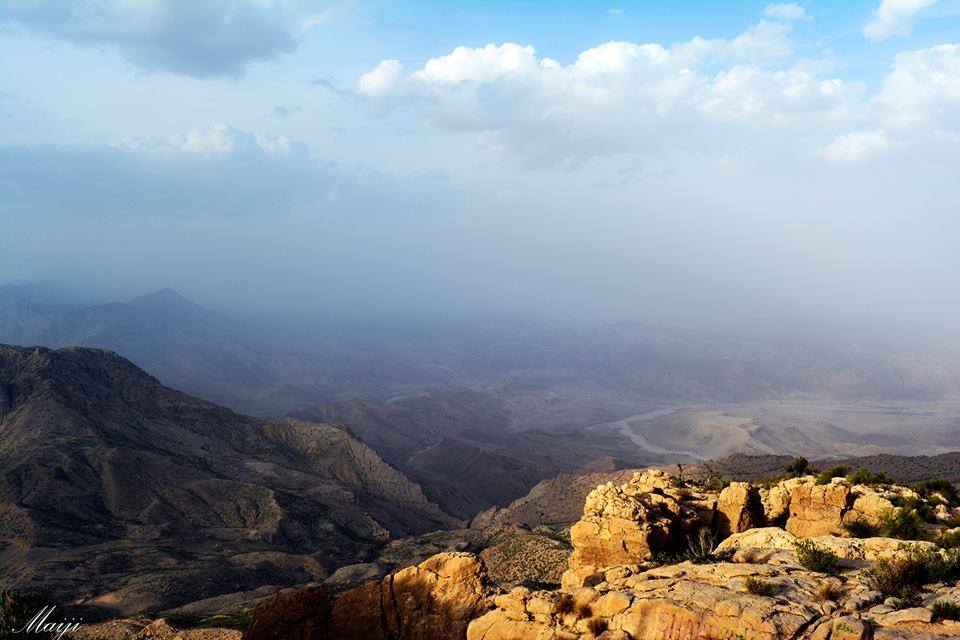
759, 587
596, 626
828, 591
565, 604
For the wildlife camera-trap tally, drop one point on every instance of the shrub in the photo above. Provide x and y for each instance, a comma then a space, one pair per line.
583, 609
814, 558
759, 587
917, 505
596, 626
946, 489
943, 610
949, 539
16, 610
860, 527
825, 476
700, 548
902, 523
565, 604
863, 476
829, 590
902, 576
798, 467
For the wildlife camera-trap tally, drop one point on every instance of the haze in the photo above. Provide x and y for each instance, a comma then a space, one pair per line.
706, 164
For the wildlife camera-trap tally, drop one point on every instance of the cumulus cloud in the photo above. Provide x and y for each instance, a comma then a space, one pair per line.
894, 18
790, 12
703, 96
618, 97
200, 39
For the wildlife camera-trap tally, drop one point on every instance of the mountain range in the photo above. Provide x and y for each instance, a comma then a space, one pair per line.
120, 493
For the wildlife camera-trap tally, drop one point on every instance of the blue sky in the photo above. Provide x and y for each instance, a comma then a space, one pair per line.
748, 159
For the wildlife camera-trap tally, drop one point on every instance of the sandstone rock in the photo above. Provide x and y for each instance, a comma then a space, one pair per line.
612, 603
868, 504
776, 502
678, 601
303, 614
913, 614
630, 523
864, 550
760, 538
739, 508
817, 510
432, 601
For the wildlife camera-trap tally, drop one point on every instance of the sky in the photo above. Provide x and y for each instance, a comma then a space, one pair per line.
706, 163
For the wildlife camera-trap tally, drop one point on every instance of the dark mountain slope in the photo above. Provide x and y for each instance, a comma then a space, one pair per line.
122, 493
459, 446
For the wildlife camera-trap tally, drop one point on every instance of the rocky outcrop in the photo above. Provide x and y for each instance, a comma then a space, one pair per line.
817, 510
632, 522
822, 509
712, 602
680, 601
434, 600
739, 508
751, 545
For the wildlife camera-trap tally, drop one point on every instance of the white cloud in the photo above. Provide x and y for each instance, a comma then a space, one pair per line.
788, 11
923, 87
711, 97
200, 39
857, 146
618, 97
894, 18
477, 65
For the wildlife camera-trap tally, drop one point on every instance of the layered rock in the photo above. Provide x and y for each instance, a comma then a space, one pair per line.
822, 509
632, 522
750, 545
674, 602
434, 600
712, 602
739, 508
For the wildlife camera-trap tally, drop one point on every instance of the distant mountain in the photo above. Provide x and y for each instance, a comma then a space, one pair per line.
119, 493
269, 367
462, 447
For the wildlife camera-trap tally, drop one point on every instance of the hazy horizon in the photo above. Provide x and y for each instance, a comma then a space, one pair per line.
714, 165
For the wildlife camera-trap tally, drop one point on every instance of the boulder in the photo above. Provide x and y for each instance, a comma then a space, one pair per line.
739, 508
817, 510
434, 600
634, 521
744, 545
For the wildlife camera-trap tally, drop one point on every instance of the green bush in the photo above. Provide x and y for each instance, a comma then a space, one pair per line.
759, 587
902, 523
863, 476
914, 566
860, 527
798, 467
918, 505
825, 476
814, 558
949, 540
928, 488
945, 611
